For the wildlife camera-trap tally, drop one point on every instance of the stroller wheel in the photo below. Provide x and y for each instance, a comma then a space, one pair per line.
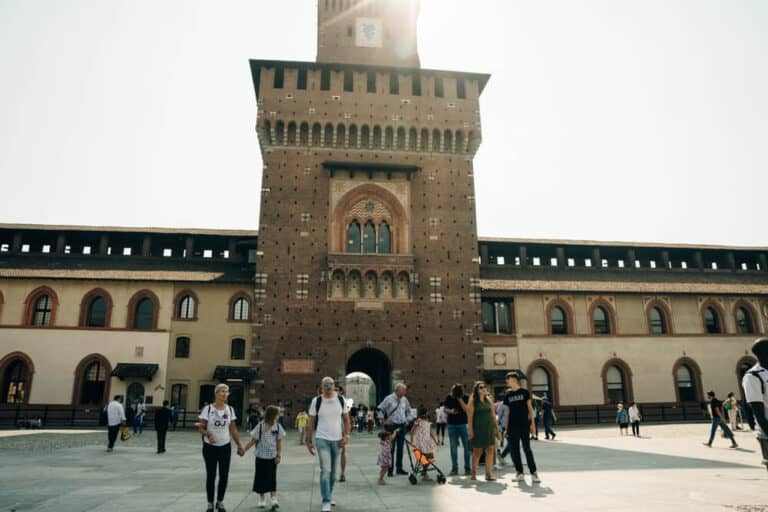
412, 478
441, 479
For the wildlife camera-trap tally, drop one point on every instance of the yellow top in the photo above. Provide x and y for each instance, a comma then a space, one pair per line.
302, 419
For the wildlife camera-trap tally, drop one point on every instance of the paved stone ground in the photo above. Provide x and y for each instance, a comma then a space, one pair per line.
585, 469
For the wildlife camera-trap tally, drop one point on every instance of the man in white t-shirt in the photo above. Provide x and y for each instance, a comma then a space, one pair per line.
115, 418
328, 430
755, 384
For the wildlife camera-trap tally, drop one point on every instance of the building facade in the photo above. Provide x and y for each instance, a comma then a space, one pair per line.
367, 260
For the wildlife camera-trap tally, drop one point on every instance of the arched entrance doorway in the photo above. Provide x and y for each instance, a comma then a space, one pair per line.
375, 364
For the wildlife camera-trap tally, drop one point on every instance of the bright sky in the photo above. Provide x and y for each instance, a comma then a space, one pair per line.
606, 119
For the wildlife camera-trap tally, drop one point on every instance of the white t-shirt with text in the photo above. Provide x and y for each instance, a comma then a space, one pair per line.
329, 420
218, 423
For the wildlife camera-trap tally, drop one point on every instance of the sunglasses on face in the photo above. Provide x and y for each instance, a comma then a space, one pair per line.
480, 387
327, 384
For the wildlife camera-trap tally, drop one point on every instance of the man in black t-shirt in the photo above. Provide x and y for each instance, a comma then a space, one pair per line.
716, 407
520, 425
455, 407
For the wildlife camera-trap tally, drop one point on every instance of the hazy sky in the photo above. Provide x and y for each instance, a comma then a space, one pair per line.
603, 119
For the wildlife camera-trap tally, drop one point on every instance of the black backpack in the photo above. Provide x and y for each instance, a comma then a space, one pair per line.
756, 374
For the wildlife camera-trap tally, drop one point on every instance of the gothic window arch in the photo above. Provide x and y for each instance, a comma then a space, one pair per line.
400, 138
341, 135
142, 310
185, 305
41, 307
317, 133
448, 141
602, 318
746, 319
384, 243
353, 136
659, 318
369, 238
435, 140
304, 134
96, 309
389, 138
354, 237
354, 285
424, 142
328, 135
365, 137
412, 136
377, 141
292, 133
239, 308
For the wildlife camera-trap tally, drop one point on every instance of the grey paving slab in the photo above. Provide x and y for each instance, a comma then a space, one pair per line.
585, 469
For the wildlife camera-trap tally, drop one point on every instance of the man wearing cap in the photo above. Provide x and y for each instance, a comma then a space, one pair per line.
755, 384
716, 408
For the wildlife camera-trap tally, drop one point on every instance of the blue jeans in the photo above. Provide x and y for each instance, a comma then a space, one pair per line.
548, 427
328, 455
716, 421
456, 432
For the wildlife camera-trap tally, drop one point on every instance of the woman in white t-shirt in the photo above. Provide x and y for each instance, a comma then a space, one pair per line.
218, 426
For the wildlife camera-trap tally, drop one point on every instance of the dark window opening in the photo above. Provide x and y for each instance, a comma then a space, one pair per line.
461, 89
416, 84
301, 83
325, 80
145, 314
182, 347
279, 77
559, 321
14, 380
97, 313
601, 321
94, 381
712, 321
394, 84
658, 321
348, 81
371, 81
237, 350
438, 87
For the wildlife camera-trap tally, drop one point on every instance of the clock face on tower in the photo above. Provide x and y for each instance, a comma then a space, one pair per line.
369, 33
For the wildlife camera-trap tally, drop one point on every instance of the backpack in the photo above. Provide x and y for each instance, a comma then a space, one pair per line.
756, 374
319, 402
210, 406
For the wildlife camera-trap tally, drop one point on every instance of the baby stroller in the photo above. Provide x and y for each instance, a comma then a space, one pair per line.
420, 463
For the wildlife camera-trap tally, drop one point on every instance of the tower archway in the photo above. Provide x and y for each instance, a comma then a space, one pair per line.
377, 366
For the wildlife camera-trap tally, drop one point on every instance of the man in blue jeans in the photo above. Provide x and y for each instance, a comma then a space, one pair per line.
716, 407
329, 422
455, 406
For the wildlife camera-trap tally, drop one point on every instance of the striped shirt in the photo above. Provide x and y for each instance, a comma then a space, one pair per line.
397, 410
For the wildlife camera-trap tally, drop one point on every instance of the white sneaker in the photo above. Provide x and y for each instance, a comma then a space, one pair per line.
275, 504
326, 507
497, 466
536, 478
262, 503
333, 502
520, 477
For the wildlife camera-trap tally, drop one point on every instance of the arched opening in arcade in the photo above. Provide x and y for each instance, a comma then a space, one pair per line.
368, 377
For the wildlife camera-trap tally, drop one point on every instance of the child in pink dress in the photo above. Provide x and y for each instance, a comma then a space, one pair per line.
385, 453
423, 438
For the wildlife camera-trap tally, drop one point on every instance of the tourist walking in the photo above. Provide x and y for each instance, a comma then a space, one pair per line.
138, 418
217, 425
115, 418
755, 384
423, 439
162, 421
716, 410
634, 418
441, 419
268, 437
549, 417
520, 426
301, 425
483, 431
328, 429
370, 420
455, 406
731, 407
622, 419
397, 411
385, 453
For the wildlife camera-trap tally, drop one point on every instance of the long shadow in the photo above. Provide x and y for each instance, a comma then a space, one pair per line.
561, 456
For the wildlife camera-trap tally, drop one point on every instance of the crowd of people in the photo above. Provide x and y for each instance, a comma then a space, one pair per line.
486, 430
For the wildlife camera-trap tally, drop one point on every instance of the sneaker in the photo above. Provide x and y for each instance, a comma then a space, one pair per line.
326, 507
333, 502
220, 507
520, 477
497, 466
536, 478
342, 478
454, 472
708, 445
210, 508
554, 436
275, 504
262, 503
734, 445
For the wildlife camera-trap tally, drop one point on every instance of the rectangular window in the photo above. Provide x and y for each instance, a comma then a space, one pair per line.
279, 77
182, 347
237, 351
371, 82
497, 317
394, 84
348, 81
461, 89
438, 87
416, 84
301, 83
325, 80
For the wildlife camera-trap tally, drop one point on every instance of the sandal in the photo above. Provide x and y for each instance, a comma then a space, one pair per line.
489, 478
473, 477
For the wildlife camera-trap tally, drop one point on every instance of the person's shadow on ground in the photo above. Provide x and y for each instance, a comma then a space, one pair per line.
535, 490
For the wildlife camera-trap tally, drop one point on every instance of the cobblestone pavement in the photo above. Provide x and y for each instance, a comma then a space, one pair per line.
585, 469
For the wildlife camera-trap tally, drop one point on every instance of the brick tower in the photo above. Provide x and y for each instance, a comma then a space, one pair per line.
367, 255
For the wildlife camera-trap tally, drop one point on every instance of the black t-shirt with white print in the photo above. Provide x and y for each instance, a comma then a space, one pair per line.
517, 401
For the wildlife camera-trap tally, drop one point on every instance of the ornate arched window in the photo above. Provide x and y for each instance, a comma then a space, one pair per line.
97, 313
145, 314
601, 322
385, 239
558, 323
744, 321
712, 322
353, 237
16, 374
686, 386
94, 382
541, 382
369, 238
614, 380
40, 307
657, 320
186, 307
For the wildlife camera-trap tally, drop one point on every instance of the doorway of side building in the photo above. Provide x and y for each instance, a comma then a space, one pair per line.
369, 372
